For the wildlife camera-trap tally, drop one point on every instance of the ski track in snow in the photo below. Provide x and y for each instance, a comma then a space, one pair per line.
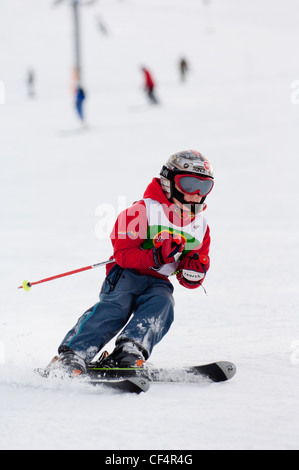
238, 107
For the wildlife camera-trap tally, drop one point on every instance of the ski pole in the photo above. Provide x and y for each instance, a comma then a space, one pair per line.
27, 285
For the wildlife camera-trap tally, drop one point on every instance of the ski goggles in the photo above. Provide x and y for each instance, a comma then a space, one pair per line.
194, 184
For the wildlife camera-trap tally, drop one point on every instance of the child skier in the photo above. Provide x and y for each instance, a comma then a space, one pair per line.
163, 234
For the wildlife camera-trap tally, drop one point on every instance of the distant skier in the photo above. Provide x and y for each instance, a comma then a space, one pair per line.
102, 26
183, 67
30, 81
149, 85
80, 98
164, 233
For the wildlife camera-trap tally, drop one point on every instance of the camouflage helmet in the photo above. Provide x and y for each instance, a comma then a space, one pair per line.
184, 162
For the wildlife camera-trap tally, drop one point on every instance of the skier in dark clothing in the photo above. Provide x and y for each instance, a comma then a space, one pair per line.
183, 66
31, 83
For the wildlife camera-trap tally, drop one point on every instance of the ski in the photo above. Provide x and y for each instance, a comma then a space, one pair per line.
123, 384
133, 382
215, 372
139, 379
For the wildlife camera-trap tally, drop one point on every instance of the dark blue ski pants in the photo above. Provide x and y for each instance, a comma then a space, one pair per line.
141, 306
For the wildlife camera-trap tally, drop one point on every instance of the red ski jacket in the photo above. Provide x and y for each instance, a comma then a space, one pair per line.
149, 82
138, 227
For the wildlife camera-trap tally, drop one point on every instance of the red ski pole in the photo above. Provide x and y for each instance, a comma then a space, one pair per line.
27, 285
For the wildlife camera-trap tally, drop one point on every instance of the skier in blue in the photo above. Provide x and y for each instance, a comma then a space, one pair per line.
80, 97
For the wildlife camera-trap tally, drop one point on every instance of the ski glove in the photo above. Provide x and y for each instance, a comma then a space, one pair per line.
168, 250
193, 270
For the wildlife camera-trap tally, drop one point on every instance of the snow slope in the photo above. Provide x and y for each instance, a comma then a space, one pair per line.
58, 183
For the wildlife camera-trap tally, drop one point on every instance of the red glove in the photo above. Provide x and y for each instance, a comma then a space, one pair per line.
194, 267
168, 250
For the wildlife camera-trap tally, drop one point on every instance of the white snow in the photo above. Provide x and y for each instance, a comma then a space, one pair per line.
239, 106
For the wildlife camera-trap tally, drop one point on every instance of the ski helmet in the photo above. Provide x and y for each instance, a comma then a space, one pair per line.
177, 171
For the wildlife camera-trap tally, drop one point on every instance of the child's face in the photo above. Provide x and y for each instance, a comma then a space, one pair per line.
189, 198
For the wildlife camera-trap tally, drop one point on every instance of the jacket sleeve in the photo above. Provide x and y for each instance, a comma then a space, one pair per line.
128, 235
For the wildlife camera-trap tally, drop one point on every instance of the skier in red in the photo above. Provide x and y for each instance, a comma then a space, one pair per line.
164, 233
149, 85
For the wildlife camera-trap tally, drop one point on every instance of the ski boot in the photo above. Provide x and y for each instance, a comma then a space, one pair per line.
127, 360
68, 363
125, 355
